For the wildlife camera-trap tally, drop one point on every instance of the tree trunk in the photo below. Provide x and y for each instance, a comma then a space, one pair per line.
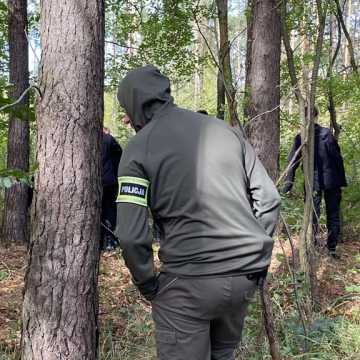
16, 198
225, 80
264, 84
249, 40
334, 126
199, 71
349, 56
263, 96
347, 24
308, 160
220, 109
60, 299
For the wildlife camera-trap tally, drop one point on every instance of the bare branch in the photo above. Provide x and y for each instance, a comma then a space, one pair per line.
31, 47
290, 53
291, 164
229, 94
297, 299
348, 38
121, 46
21, 97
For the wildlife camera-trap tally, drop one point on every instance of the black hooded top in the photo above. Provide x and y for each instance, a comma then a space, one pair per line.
111, 155
209, 194
329, 172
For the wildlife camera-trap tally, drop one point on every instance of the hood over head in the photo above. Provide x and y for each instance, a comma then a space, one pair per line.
142, 92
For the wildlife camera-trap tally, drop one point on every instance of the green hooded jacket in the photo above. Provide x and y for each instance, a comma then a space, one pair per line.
209, 195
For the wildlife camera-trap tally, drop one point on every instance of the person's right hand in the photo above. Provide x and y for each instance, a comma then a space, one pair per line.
287, 188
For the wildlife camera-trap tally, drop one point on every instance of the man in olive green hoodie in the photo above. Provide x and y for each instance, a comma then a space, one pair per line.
216, 209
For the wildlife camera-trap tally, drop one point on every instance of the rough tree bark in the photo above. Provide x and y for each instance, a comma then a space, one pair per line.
60, 299
16, 198
262, 105
263, 84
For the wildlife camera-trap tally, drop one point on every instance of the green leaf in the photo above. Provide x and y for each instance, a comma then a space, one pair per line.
3, 275
353, 289
7, 182
280, 257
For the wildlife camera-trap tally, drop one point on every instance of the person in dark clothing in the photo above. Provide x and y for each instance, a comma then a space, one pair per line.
111, 154
216, 208
329, 178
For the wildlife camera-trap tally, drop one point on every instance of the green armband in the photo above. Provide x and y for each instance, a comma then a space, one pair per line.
133, 190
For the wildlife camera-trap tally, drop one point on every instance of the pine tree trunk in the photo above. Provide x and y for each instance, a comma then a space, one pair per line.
263, 95
16, 198
60, 299
263, 84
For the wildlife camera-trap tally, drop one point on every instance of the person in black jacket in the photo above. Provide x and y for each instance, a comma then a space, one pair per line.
111, 154
329, 178
216, 209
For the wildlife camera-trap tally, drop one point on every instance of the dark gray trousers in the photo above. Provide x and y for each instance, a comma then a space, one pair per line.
200, 318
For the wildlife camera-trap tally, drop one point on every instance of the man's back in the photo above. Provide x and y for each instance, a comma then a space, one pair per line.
329, 170
201, 172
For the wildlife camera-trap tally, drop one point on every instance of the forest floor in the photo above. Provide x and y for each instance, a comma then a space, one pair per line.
333, 332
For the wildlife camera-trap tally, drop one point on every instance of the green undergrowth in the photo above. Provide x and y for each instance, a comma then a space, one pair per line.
331, 333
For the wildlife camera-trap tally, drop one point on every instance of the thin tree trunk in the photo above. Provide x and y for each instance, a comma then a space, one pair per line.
347, 23
199, 71
332, 58
249, 40
307, 132
16, 198
307, 258
60, 301
220, 109
349, 50
225, 79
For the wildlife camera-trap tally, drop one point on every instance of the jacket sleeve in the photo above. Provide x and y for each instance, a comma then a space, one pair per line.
263, 193
132, 223
290, 176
